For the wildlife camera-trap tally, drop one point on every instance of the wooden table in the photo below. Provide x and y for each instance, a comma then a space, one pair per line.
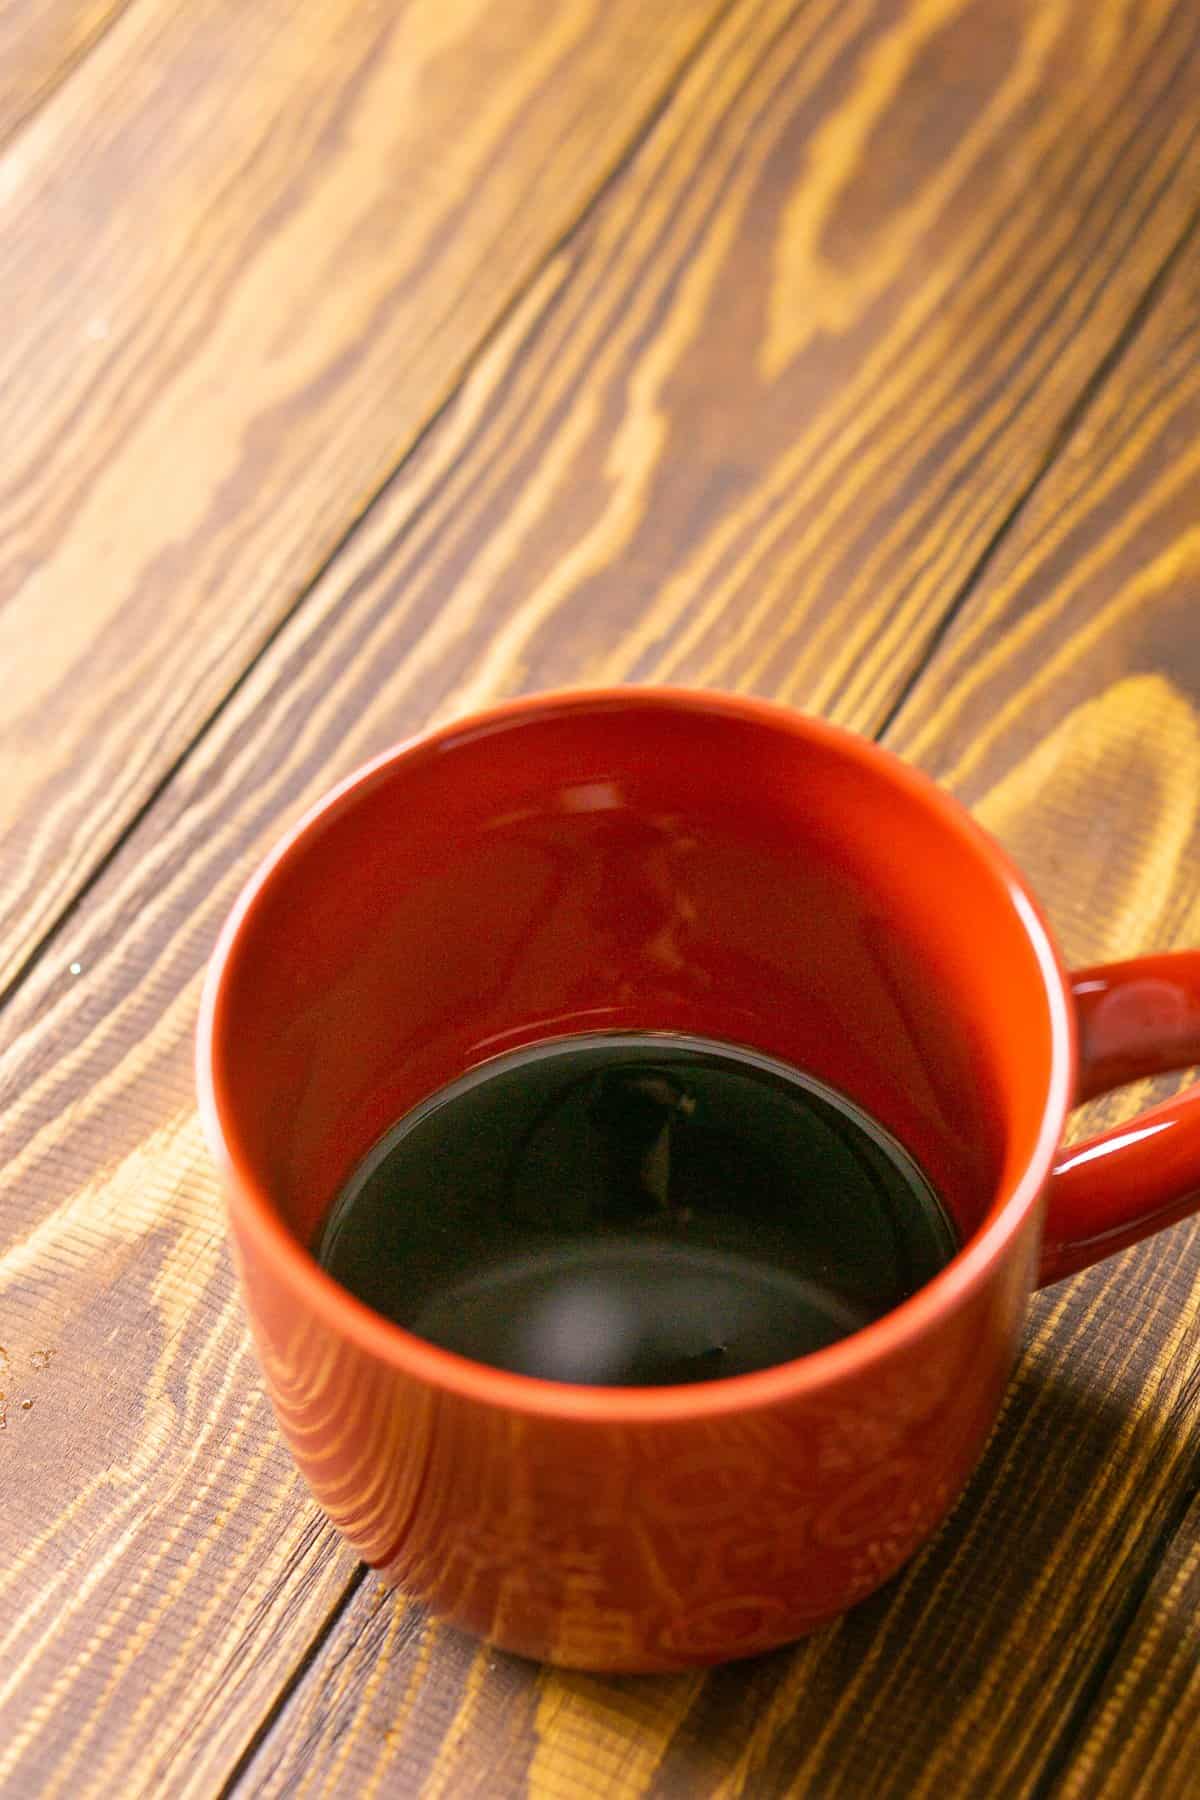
365, 361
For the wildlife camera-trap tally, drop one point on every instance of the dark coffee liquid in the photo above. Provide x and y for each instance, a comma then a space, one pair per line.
635, 1210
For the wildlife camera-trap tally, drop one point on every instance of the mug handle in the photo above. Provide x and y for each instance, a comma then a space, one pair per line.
1134, 1018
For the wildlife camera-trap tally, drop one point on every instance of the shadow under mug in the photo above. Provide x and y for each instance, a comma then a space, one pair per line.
666, 860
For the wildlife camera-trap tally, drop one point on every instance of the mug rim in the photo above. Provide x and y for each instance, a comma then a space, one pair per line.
258, 1218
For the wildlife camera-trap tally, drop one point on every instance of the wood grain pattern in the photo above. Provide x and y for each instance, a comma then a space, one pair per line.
602, 490
1098, 601
245, 252
41, 42
1141, 1734
203, 387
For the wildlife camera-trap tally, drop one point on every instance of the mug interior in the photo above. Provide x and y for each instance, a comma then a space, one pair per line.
634, 861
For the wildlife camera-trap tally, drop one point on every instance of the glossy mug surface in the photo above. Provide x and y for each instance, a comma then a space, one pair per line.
655, 859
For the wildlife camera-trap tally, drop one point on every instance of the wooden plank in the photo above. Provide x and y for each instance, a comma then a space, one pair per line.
41, 42
1141, 1735
555, 486
1097, 604
245, 253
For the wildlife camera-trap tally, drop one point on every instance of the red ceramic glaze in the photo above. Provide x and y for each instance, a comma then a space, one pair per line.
716, 865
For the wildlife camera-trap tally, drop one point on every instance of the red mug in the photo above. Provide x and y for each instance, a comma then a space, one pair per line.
693, 862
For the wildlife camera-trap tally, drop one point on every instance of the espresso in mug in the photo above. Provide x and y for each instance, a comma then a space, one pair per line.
635, 1210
